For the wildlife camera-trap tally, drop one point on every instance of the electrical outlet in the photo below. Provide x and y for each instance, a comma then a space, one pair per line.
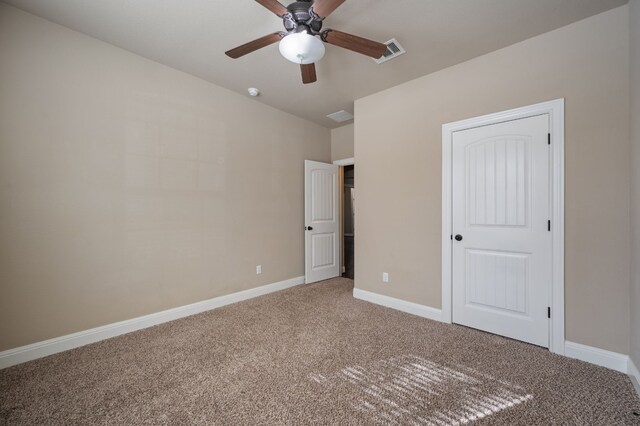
385, 277
258, 269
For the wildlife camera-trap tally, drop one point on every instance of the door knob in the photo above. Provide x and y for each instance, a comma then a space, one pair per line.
458, 237
309, 228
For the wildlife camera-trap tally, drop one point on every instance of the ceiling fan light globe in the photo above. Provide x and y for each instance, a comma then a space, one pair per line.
302, 48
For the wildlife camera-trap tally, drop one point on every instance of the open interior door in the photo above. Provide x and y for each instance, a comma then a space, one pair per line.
322, 221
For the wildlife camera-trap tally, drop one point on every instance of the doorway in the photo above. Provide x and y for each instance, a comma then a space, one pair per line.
347, 216
502, 234
348, 219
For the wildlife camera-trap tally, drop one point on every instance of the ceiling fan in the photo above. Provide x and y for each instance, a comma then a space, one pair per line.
302, 42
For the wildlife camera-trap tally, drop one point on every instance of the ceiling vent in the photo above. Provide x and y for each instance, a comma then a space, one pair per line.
393, 50
341, 116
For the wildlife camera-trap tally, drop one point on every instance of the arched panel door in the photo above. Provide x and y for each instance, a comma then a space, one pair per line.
322, 221
502, 257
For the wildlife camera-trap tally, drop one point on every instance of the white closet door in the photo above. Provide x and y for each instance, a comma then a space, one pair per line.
502, 244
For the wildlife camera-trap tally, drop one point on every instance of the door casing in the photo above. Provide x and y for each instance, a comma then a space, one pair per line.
555, 109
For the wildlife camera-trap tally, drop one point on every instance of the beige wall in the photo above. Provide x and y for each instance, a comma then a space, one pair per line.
127, 187
634, 8
342, 142
398, 147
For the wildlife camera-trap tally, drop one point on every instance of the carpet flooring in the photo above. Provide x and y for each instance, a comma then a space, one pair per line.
313, 355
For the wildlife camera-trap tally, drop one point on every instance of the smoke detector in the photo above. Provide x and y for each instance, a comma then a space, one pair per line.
253, 91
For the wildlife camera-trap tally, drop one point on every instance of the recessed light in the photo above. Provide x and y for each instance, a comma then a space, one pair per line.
253, 91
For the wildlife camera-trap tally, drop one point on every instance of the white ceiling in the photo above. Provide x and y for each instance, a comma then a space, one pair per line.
192, 36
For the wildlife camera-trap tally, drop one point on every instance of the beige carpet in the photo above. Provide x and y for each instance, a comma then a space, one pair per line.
313, 355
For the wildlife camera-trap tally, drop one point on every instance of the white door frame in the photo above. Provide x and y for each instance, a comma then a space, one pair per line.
555, 109
345, 162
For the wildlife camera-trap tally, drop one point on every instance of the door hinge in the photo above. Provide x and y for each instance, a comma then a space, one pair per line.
452, 236
548, 138
549, 225
548, 311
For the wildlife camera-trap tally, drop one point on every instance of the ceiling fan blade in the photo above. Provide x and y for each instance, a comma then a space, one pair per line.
323, 8
275, 6
355, 43
254, 45
308, 73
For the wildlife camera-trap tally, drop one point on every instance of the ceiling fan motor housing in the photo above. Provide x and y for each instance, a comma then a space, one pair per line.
299, 16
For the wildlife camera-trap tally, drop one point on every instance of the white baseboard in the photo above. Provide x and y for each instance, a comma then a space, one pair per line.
49, 347
601, 357
400, 305
632, 370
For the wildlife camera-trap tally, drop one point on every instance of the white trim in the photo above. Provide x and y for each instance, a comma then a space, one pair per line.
49, 347
601, 357
447, 224
401, 305
345, 162
555, 109
633, 372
